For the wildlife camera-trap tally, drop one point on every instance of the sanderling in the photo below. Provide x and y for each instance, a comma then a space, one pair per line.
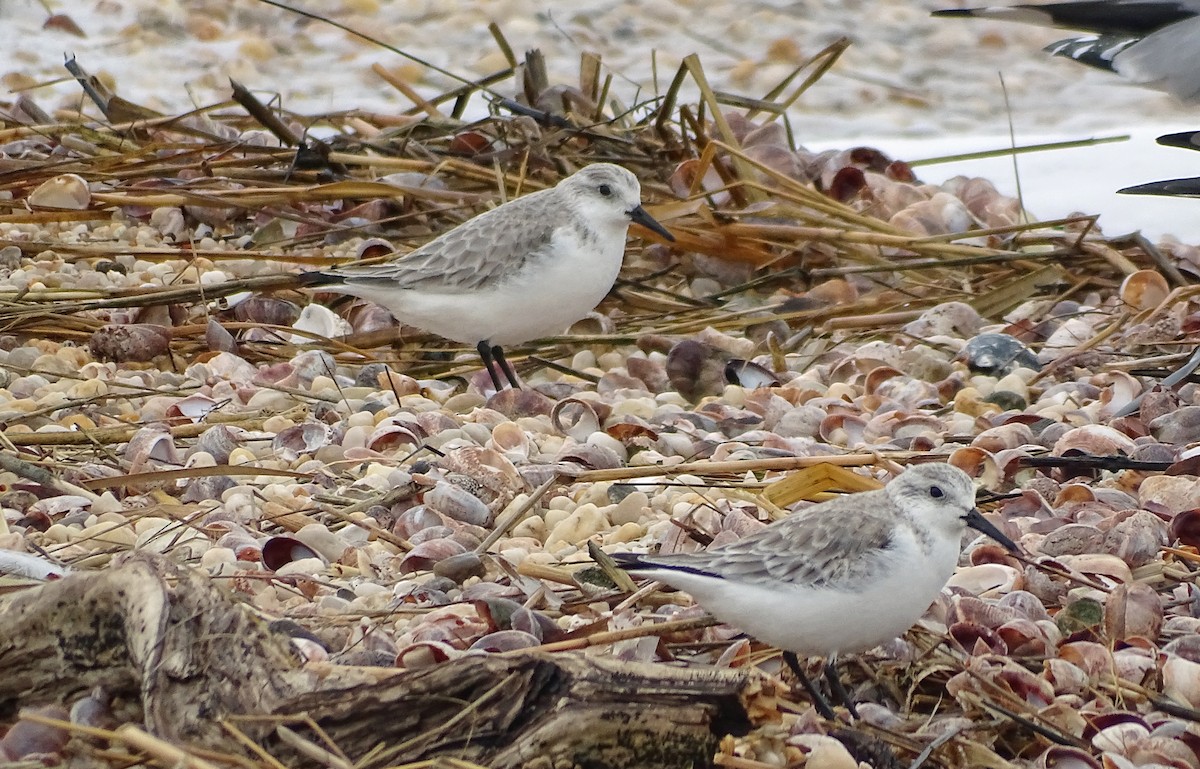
842, 576
524, 270
1155, 43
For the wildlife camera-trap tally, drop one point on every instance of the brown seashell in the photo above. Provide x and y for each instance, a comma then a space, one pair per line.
1132, 611
460, 567
650, 372
135, 342
695, 369
278, 552
65, 191
1144, 290
469, 143
373, 247
1185, 528
426, 555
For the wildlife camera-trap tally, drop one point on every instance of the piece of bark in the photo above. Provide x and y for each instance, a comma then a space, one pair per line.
152, 632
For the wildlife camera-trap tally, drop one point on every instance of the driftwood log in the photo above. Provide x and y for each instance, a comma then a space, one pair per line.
184, 655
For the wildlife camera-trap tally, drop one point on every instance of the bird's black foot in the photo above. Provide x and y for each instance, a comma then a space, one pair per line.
837, 689
511, 375
818, 700
493, 358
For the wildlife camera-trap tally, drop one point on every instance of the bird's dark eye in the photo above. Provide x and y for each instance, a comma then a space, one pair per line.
605, 190
936, 492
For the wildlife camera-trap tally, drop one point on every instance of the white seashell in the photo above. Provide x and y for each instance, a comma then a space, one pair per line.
66, 191
322, 321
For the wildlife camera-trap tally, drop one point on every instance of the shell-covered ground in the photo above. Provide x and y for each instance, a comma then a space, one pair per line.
821, 321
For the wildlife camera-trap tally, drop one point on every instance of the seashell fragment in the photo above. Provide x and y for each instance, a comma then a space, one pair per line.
65, 191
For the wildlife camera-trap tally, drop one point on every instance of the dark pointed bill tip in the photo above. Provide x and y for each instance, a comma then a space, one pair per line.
1177, 188
639, 215
976, 521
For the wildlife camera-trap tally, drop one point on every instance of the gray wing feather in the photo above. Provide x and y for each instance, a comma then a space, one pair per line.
816, 547
474, 254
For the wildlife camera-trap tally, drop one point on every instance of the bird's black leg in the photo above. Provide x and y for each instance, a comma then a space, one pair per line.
818, 699
485, 354
836, 688
498, 354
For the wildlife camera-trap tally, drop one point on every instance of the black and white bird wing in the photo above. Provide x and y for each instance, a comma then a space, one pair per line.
470, 257
803, 550
1102, 17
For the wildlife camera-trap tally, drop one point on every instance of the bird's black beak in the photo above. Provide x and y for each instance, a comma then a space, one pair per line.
976, 521
639, 215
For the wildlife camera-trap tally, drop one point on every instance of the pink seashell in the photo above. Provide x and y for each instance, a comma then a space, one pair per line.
417, 518
218, 338
268, 310
1093, 440
575, 418
425, 654
304, 438
976, 639
515, 404
425, 555
511, 440
193, 408
504, 641
1132, 611
149, 446
29, 739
